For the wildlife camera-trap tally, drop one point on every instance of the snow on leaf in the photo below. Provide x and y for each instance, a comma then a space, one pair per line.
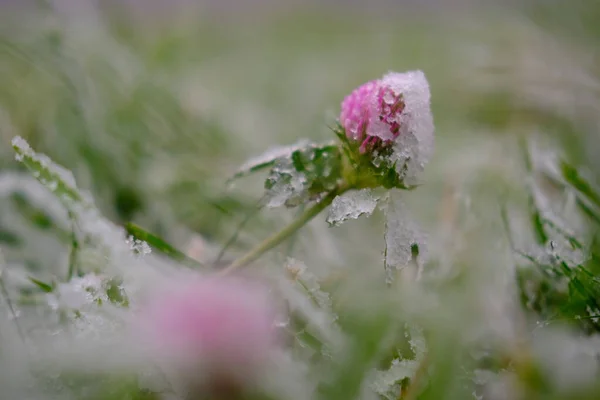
22, 187
269, 157
309, 283
285, 185
404, 241
387, 383
417, 342
53, 176
306, 300
351, 205
304, 174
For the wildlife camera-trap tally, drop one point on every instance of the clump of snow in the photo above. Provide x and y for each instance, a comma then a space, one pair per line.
414, 145
351, 205
289, 185
393, 111
402, 237
83, 291
138, 247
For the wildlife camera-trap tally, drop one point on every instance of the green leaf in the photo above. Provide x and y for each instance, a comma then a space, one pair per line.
74, 249
572, 175
268, 158
45, 287
304, 174
159, 244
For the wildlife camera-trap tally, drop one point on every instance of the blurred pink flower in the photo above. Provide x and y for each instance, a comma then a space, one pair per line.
371, 114
219, 329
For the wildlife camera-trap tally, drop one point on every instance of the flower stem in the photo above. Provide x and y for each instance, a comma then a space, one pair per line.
286, 232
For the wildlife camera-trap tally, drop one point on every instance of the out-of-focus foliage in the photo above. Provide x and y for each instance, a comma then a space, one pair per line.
154, 109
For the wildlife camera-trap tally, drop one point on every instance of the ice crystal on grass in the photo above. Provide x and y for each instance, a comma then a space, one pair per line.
82, 291
387, 383
405, 244
351, 205
138, 247
309, 282
311, 304
53, 176
22, 186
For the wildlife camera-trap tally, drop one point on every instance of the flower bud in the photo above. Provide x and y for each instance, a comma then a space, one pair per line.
390, 121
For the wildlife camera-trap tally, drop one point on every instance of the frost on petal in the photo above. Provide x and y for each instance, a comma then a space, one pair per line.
414, 144
351, 205
404, 241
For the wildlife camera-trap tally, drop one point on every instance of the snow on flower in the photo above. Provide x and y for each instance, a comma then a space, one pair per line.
393, 111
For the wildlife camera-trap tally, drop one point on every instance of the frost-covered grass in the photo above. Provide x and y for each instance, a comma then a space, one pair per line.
146, 119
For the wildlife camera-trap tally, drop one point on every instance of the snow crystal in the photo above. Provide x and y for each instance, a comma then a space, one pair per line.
316, 308
80, 292
138, 247
289, 184
386, 383
310, 283
351, 205
401, 236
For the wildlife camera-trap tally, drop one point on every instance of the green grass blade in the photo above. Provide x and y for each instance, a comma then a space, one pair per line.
49, 174
159, 244
572, 175
45, 287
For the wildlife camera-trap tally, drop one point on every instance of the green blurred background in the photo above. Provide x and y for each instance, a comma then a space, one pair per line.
153, 105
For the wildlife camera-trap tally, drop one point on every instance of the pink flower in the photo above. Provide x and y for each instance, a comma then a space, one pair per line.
219, 329
371, 114
377, 113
